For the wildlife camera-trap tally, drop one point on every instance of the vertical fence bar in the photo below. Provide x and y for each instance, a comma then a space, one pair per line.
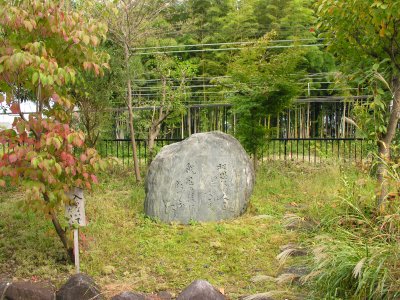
117, 148
315, 152
129, 155
338, 149
355, 150
279, 149
145, 152
320, 150
349, 150
326, 149
285, 145
139, 144
123, 153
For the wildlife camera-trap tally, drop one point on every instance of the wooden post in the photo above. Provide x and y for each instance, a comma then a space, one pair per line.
76, 250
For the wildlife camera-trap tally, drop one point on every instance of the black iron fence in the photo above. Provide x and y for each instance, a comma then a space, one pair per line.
122, 148
316, 150
312, 150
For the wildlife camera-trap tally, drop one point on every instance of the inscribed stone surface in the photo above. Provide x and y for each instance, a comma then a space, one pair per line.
207, 177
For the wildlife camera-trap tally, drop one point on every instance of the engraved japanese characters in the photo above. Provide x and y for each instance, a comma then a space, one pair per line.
207, 177
75, 213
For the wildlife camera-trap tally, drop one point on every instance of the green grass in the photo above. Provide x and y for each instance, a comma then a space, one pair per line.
125, 250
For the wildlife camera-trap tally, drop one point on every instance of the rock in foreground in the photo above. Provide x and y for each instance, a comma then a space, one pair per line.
200, 290
207, 177
28, 291
79, 286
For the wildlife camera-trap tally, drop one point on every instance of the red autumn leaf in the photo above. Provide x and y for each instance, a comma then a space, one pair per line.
15, 109
94, 178
71, 161
88, 185
66, 129
73, 170
77, 141
12, 158
64, 156
55, 97
96, 69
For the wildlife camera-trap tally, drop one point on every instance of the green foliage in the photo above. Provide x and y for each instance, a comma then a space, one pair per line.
372, 116
266, 84
365, 38
298, 20
170, 78
364, 31
93, 96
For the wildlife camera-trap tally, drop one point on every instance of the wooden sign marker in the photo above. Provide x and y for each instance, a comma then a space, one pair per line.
75, 213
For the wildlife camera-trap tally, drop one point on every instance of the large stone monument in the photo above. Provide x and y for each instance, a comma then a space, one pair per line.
207, 177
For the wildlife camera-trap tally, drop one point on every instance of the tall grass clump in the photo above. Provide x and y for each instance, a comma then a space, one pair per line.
351, 267
357, 254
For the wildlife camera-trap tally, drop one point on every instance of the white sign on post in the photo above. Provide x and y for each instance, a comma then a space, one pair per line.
75, 214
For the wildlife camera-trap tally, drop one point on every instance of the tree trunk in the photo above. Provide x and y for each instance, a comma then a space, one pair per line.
130, 110
63, 236
384, 147
384, 154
